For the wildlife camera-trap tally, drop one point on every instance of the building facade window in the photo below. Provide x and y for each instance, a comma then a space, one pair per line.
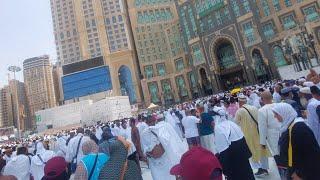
153, 16
265, 7
268, 30
192, 80
166, 89
276, 5
288, 22
161, 68
278, 56
148, 70
179, 64
154, 92
181, 86
246, 6
197, 54
249, 32
311, 13
287, 3
235, 8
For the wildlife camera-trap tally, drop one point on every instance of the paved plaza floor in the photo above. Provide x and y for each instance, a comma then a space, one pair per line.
273, 172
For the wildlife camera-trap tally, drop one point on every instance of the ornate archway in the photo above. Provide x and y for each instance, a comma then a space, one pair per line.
223, 39
126, 84
205, 83
227, 62
259, 66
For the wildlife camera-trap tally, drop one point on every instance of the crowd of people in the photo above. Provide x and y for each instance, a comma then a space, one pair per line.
231, 135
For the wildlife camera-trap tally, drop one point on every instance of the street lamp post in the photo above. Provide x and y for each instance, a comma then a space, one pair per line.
16, 69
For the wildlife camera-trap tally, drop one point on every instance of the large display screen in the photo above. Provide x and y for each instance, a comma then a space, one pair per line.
86, 82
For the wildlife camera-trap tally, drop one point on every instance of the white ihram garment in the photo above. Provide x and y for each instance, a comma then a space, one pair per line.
126, 133
173, 120
72, 148
174, 148
37, 164
269, 128
19, 166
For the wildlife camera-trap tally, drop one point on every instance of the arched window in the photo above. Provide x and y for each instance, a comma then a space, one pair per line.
259, 64
126, 84
226, 56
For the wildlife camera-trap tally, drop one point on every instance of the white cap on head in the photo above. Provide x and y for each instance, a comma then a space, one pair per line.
242, 97
302, 80
305, 90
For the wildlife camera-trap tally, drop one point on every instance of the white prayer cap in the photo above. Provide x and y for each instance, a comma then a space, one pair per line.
242, 97
302, 80
308, 84
305, 90
219, 110
159, 116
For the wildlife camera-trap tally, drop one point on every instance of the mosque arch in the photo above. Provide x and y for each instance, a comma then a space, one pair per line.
126, 84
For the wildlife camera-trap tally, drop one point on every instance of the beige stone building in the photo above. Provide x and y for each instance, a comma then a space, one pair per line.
6, 115
241, 42
85, 29
56, 76
282, 20
159, 45
24, 113
38, 80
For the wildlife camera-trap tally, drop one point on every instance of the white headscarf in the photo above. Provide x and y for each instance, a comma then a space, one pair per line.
287, 113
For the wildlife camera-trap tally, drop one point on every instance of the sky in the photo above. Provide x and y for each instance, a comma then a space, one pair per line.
26, 31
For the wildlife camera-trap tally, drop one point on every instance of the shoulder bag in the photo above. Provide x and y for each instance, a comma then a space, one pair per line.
94, 166
41, 159
74, 161
254, 120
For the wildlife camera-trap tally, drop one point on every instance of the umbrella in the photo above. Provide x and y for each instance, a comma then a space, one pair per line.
235, 90
153, 106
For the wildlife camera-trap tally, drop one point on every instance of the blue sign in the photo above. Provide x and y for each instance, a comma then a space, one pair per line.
86, 82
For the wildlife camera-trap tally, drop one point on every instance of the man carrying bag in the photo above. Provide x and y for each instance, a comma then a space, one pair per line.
74, 149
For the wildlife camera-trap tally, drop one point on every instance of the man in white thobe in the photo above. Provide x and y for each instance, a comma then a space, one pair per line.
125, 131
73, 146
173, 120
269, 127
162, 134
313, 109
276, 94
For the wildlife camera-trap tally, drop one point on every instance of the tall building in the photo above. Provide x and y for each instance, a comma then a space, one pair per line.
24, 109
6, 111
38, 80
85, 29
160, 48
242, 41
56, 76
